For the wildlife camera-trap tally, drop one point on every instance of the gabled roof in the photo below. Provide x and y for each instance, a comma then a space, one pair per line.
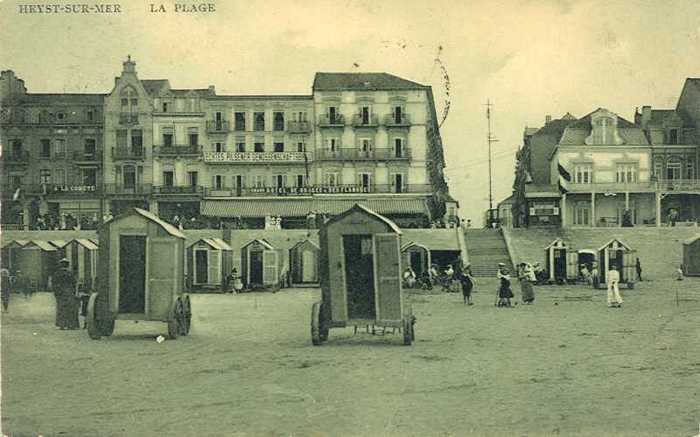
60, 244
577, 132
170, 229
262, 241
614, 240
214, 243
86, 243
558, 242
304, 242
362, 82
363, 209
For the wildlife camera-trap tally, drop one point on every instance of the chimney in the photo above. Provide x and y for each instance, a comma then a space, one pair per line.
646, 116
212, 90
637, 117
547, 120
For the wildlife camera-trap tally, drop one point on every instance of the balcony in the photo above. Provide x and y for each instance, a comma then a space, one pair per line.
328, 121
392, 120
218, 127
360, 121
20, 157
120, 189
256, 157
679, 185
82, 157
128, 118
612, 187
181, 190
317, 190
361, 155
119, 153
176, 151
77, 189
298, 127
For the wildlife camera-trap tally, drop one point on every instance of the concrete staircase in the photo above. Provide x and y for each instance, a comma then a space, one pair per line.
486, 248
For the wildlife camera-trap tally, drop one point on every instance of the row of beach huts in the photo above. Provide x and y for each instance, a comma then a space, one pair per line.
267, 259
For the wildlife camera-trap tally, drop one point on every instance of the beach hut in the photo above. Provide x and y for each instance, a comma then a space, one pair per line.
304, 263
10, 250
691, 256
206, 264
260, 264
360, 275
417, 256
82, 256
617, 253
561, 262
140, 275
37, 260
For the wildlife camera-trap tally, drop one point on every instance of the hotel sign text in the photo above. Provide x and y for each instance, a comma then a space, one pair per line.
225, 157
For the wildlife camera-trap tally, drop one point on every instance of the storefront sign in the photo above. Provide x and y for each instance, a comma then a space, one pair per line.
254, 156
311, 190
75, 188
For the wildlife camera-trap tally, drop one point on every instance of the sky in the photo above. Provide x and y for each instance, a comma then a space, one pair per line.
530, 58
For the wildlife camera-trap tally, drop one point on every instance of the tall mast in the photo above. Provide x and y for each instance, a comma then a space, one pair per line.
490, 139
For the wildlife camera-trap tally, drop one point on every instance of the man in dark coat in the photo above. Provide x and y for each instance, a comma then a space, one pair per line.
5, 288
66, 302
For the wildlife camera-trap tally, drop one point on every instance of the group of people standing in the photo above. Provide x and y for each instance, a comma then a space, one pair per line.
526, 276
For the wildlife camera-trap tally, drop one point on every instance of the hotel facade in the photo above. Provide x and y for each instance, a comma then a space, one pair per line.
604, 171
358, 137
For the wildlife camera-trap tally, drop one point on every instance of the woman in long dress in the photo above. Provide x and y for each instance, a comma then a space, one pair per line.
526, 289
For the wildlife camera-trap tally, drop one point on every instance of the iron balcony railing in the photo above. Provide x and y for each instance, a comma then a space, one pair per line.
126, 153
316, 189
178, 189
127, 118
16, 157
678, 185
82, 156
298, 127
326, 120
359, 120
363, 155
137, 189
217, 126
185, 150
394, 120
610, 187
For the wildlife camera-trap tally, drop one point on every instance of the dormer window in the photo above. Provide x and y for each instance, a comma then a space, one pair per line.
673, 136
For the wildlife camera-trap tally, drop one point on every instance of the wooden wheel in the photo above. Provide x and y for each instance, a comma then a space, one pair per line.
93, 327
323, 326
407, 328
315, 324
176, 320
188, 316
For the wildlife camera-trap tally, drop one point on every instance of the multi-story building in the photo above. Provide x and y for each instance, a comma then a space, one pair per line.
358, 137
603, 170
52, 154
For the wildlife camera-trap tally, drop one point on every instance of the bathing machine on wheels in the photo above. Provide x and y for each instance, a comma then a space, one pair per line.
360, 276
140, 275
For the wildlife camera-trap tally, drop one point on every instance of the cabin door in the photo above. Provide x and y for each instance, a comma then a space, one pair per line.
417, 262
359, 276
132, 274
308, 266
256, 267
201, 266
388, 281
559, 264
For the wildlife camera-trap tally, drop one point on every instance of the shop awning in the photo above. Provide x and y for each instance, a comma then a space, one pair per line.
88, 244
247, 208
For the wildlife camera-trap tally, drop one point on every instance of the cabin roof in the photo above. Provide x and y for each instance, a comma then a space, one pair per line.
554, 243
261, 241
167, 227
613, 240
692, 240
363, 209
86, 243
215, 243
305, 241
